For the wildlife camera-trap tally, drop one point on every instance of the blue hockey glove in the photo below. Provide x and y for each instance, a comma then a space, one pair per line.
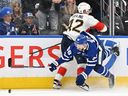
53, 66
80, 79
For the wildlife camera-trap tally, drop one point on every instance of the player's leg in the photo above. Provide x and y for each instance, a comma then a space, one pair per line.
106, 73
80, 68
113, 47
82, 77
66, 42
81, 61
59, 75
90, 65
102, 55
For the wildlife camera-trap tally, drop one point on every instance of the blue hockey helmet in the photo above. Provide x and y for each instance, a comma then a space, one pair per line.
81, 39
5, 11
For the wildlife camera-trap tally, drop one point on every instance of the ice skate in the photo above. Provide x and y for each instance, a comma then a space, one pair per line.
111, 81
57, 84
84, 87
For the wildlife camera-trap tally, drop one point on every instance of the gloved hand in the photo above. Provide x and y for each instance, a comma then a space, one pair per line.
53, 66
80, 79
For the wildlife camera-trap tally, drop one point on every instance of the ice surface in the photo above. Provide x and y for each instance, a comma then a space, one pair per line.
67, 92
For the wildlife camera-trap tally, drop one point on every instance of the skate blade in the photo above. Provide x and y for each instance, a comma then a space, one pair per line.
56, 87
84, 88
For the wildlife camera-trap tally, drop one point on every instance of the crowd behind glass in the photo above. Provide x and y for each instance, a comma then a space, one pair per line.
50, 17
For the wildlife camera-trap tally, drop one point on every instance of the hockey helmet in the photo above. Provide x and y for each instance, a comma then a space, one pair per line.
5, 11
81, 39
83, 6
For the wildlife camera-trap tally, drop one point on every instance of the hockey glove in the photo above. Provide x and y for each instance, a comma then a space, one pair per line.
53, 66
80, 79
116, 50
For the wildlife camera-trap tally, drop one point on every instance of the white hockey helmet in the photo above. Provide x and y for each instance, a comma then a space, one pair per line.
83, 6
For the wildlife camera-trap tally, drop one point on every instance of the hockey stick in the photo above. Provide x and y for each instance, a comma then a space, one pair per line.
10, 59
44, 48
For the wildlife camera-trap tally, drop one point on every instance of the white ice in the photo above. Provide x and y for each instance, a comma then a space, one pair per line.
67, 92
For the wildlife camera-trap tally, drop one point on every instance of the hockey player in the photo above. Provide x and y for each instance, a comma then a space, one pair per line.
78, 22
89, 49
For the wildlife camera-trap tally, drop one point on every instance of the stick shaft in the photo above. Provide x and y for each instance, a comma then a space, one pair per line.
44, 48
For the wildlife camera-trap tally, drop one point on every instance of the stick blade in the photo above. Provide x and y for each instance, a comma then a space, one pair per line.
9, 62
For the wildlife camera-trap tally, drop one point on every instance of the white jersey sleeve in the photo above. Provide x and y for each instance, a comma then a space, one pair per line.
94, 23
82, 22
91, 20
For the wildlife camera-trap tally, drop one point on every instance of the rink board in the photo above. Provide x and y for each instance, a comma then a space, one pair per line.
47, 82
19, 47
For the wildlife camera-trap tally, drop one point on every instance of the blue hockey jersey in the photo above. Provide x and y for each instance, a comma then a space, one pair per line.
90, 54
7, 29
94, 54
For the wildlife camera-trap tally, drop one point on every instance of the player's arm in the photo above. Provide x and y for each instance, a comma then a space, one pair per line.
94, 23
66, 57
100, 27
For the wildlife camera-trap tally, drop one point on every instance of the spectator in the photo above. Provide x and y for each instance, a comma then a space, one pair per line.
48, 14
66, 12
5, 3
6, 26
119, 28
28, 6
17, 14
29, 27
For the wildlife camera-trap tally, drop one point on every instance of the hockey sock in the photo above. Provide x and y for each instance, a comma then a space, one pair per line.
80, 70
61, 72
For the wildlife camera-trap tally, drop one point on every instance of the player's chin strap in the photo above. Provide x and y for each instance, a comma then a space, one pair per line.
10, 59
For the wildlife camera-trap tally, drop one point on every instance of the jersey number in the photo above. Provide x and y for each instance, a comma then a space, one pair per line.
74, 28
